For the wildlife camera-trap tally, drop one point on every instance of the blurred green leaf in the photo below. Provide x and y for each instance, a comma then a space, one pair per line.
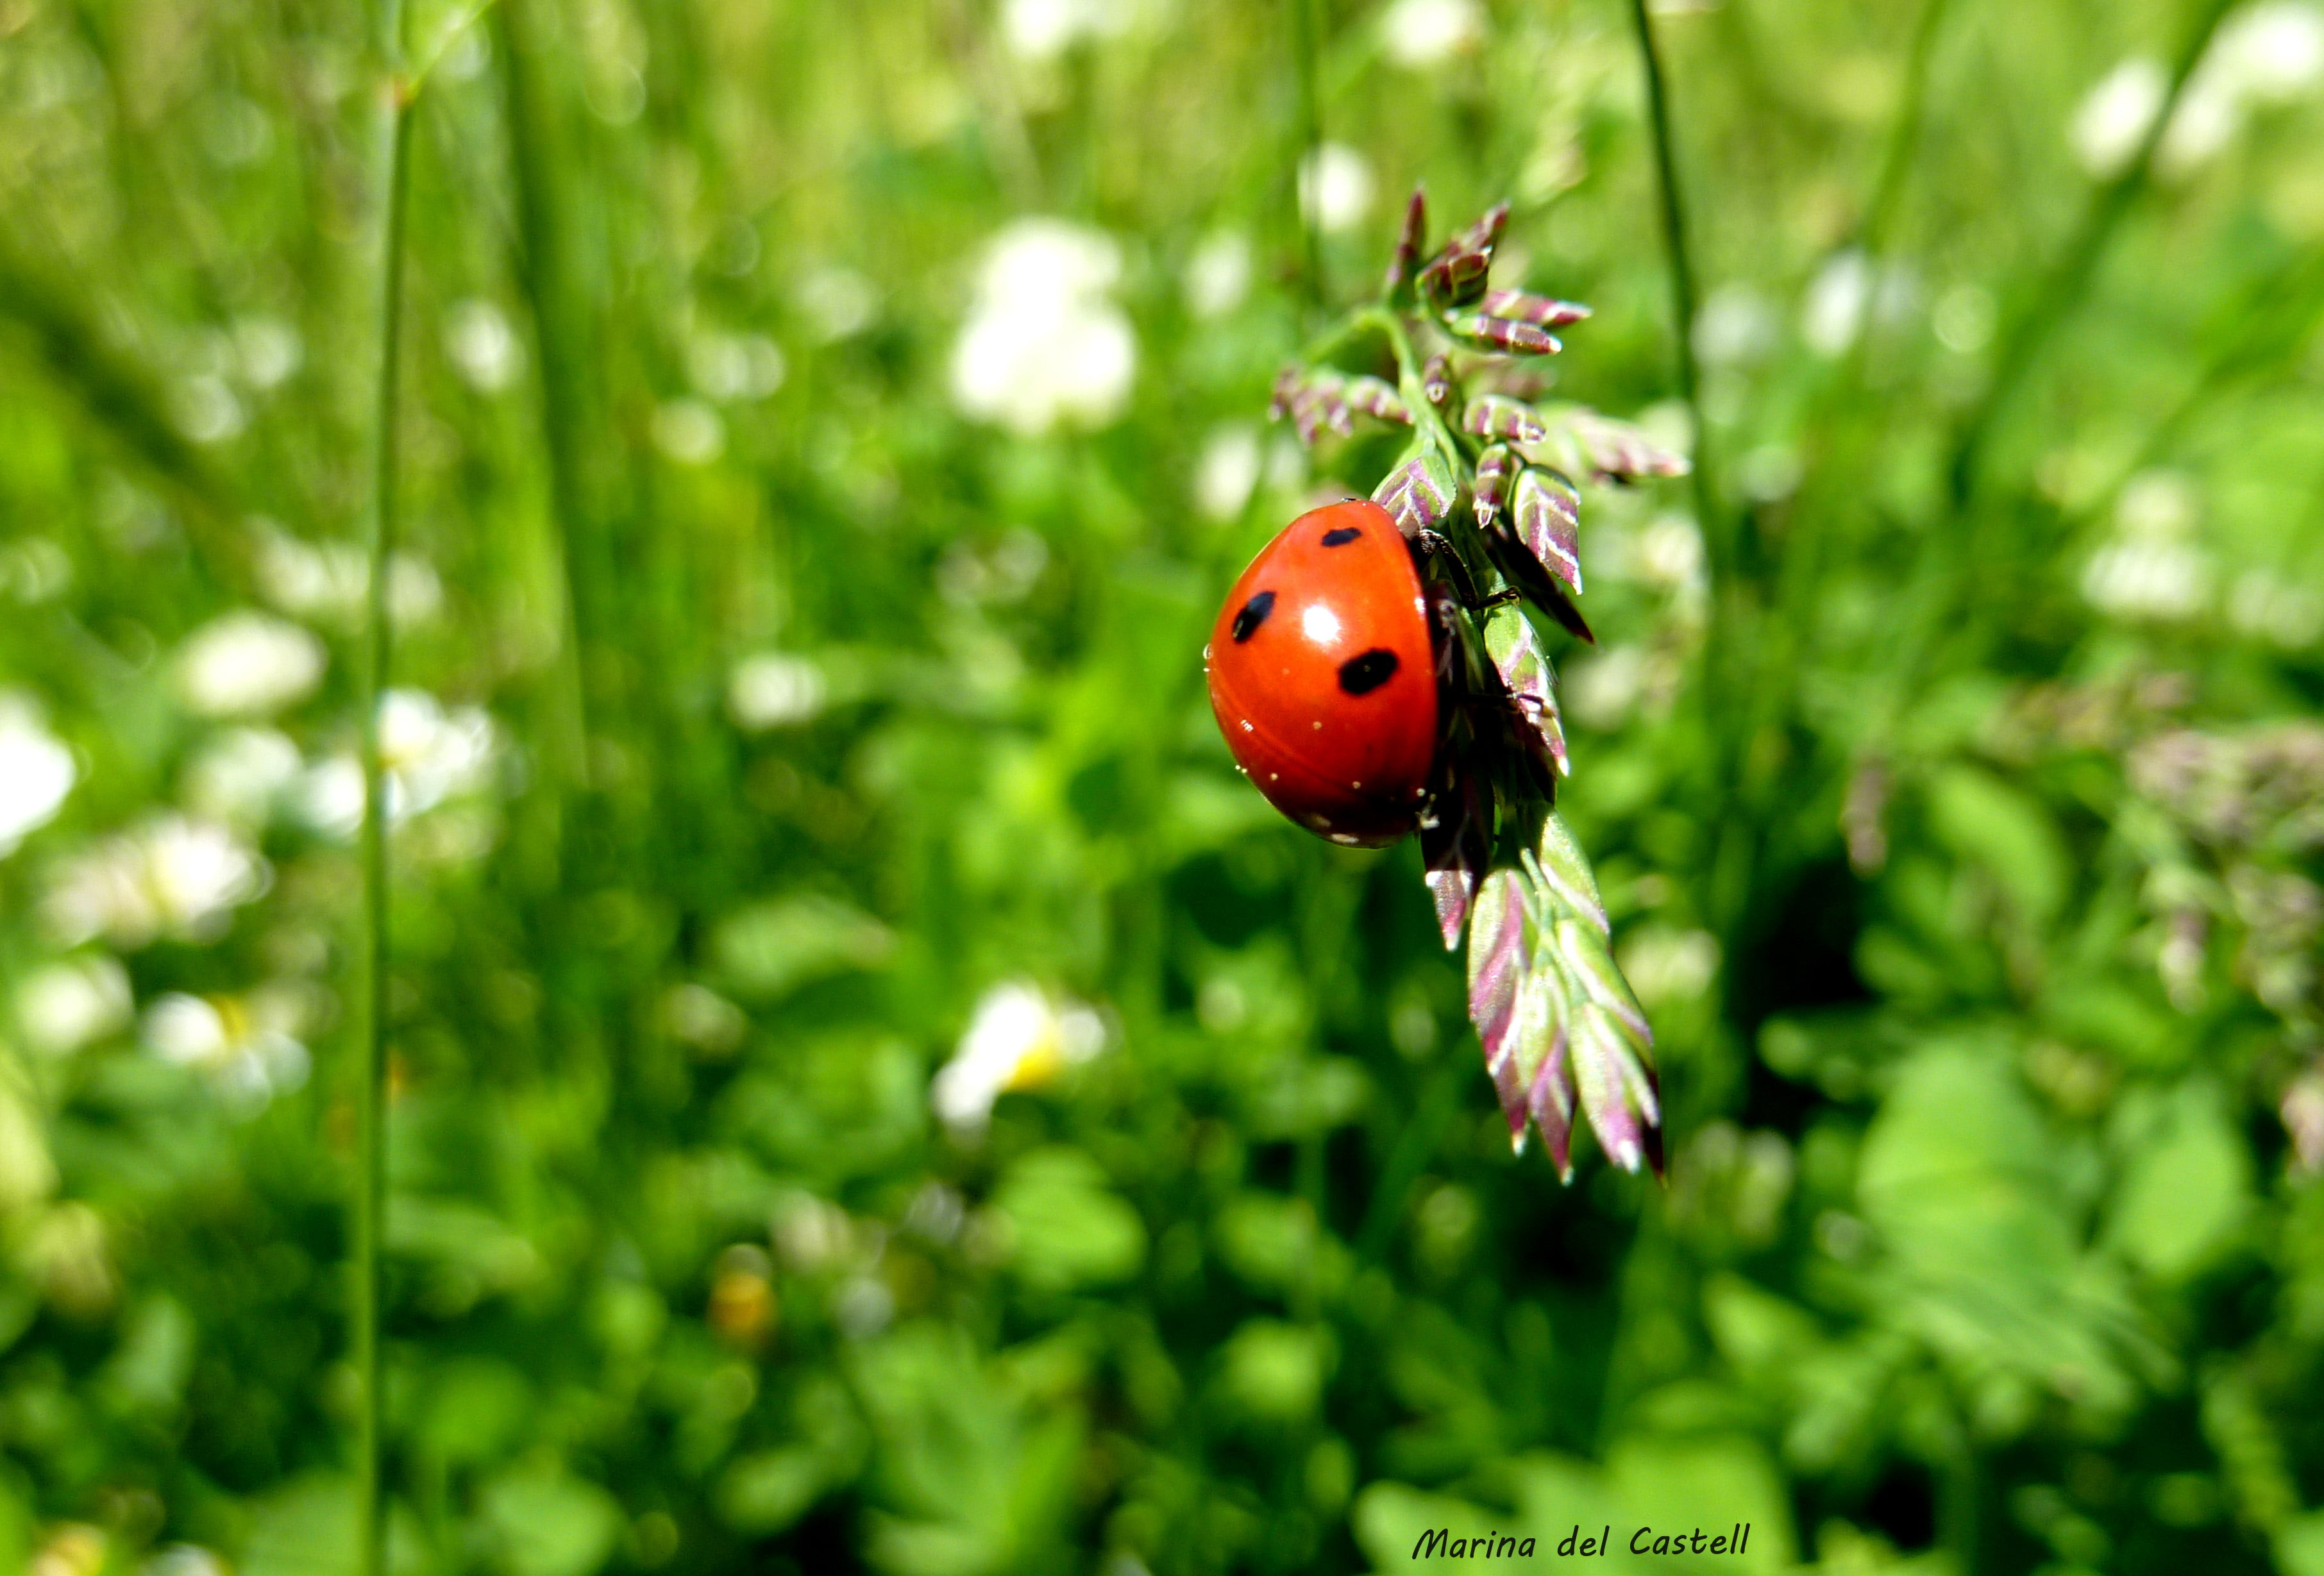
1068, 1228
1274, 1373
2185, 1189
770, 948
1984, 820
546, 1522
306, 1528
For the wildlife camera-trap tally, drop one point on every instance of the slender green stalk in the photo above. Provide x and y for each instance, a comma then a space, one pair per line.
1307, 183
544, 275
1841, 424
1725, 675
1719, 540
1904, 139
371, 1090
1944, 578
2068, 281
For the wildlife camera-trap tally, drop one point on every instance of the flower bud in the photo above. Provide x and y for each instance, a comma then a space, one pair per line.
1370, 396
1401, 269
1524, 672
1436, 378
1580, 439
1455, 846
1548, 519
1494, 467
1498, 416
1484, 235
1420, 492
1497, 957
1524, 307
1565, 873
1501, 334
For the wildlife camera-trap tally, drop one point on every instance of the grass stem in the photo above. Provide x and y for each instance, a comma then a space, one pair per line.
1726, 675
2068, 281
1717, 540
1308, 175
371, 1089
544, 275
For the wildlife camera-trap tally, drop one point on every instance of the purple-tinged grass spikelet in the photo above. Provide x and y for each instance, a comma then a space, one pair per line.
1502, 334
1498, 416
1494, 467
1548, 519
1524, 307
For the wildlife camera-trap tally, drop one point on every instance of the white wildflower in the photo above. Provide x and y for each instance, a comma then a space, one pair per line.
1020, 1037
2148, 578
481, 345
1335, 187
1963, 319
267, 350
1228, 471
2158, 504
811, 1233
1768, 473
328, 581
1668, 553
704, 1020
2148, 569
33, 570
863, 1307
205, 410
2276, 610
736, 366
1007, 573
1420, 33
1666, 965
1601, 689
2303, 1119
1845, 291
170, 876
248, 664
1218, 275
772, 691
689, 431
190, 1559
1042, 30
429, 754
248, 1045
1736, 326
2209, 113
37, 771
2113, 116
65, 1005
1044, 344
2272, 52
837, 302
240, 774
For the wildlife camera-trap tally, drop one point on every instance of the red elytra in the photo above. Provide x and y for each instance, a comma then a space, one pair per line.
1322, 676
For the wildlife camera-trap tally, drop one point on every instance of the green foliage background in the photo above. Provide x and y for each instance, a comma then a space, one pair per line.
1954, 789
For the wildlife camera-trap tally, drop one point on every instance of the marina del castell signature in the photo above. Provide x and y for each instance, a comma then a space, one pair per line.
1439, 1542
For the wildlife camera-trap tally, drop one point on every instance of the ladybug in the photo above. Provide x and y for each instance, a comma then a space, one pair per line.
1322, 676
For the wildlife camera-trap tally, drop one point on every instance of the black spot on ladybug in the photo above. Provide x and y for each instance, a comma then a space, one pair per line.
1341, 536
1253, 614
1364, 673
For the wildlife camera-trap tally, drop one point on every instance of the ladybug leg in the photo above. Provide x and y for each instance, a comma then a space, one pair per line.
1429, 543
